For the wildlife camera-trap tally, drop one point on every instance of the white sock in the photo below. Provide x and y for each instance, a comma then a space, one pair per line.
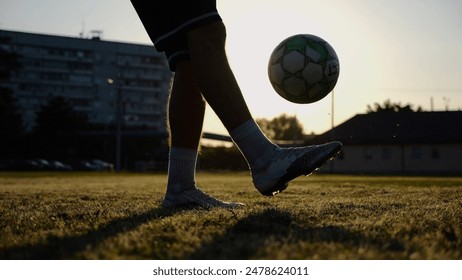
181, 169
256, 148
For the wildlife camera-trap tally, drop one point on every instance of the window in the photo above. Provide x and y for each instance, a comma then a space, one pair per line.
368, 154
435, 153
386, 153
416, 153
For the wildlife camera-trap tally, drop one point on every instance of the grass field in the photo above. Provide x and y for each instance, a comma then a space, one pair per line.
118, 216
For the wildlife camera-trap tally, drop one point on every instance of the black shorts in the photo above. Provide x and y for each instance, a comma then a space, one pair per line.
168, 21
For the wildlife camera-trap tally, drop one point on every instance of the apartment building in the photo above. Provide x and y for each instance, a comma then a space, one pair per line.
101, 79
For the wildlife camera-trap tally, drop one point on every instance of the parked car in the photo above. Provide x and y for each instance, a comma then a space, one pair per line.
43, 164
101, 165
60, 166
94, 165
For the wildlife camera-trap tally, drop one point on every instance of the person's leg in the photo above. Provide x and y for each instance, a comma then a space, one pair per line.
271, 167
221, 90
214, 75
186, 110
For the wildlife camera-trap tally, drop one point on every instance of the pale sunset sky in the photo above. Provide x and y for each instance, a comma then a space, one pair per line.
408, 51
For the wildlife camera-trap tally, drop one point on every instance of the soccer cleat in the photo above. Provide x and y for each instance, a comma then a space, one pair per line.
196, 197
289, 163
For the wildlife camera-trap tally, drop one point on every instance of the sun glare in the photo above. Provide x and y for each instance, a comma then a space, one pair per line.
255, 30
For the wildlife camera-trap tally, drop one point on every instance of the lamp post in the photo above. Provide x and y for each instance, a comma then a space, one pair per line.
332, 125
332, 111
118, 124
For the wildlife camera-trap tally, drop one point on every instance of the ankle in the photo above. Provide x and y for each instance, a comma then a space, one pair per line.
182, 169
253, 144
262, 163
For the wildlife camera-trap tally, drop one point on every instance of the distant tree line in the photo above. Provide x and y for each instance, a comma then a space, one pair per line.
55, 134
283, 127
392, 107
11, 125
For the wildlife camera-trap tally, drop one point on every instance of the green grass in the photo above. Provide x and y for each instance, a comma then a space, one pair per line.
118, 216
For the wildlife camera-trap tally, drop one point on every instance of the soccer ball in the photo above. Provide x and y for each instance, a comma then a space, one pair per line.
303, 68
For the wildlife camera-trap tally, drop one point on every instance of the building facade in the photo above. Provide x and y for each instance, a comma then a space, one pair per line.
407, 143
104, 80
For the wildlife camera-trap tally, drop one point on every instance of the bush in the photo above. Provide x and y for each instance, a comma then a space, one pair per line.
221, 158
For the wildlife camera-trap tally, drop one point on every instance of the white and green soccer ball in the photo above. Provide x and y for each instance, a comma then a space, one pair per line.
303, 68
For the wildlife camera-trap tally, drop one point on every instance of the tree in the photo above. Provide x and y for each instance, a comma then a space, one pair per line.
11, 126
58, 117
283, 127
10, 115
389, 107
57, 129
9, 61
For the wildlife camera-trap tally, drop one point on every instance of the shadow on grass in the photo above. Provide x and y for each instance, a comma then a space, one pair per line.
57, 248
245, 240
275, 228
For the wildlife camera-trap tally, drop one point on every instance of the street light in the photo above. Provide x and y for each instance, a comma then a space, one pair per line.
332, 125
118, 124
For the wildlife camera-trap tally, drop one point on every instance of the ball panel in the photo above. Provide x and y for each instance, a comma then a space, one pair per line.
331, 51
317, 92
276, 73
332, 70
313, 73
294, 86
277, 54
313, 55
295, 42
293, 61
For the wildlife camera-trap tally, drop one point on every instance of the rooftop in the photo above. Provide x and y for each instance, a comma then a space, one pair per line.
398, 128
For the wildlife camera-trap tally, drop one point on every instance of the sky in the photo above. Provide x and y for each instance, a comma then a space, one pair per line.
407, 51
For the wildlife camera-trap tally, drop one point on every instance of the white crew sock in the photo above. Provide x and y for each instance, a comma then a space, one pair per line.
256, 148
181, 169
